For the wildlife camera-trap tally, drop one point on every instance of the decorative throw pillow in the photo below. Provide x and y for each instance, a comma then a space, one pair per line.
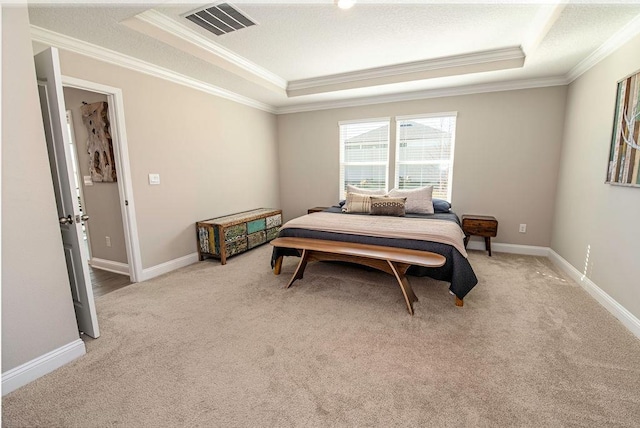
441, 206
357, 203
418, 200
385, 205
376, 192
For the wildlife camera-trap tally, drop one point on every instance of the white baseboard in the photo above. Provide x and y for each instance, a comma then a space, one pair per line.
31, 370
163, 268
617, 310
108, 265
629, 320
527, 250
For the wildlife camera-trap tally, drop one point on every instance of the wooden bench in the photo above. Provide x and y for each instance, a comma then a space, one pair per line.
392, 260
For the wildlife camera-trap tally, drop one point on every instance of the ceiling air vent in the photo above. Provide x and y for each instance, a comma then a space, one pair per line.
220, 19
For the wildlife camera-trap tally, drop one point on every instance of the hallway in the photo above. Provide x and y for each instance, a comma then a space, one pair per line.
105, 282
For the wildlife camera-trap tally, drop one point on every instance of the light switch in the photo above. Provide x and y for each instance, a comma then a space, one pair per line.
87, 180
154, 179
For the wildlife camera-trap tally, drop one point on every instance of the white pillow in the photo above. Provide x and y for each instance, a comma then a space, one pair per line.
418, 200
374, 192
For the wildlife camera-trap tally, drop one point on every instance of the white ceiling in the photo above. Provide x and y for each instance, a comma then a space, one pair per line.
313, 53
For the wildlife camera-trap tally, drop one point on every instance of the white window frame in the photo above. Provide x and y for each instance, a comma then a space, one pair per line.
341, 180
397, 162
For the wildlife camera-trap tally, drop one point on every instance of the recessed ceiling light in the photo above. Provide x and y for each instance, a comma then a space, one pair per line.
345, 4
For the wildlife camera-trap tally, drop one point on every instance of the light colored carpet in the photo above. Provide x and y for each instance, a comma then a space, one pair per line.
212, 345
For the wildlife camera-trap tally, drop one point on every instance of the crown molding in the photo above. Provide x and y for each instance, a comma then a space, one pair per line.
88, 49
184, 33
542, 23
431, 93
496, 59
71, 44
616, 41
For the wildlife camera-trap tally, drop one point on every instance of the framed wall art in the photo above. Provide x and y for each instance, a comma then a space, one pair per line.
624, 156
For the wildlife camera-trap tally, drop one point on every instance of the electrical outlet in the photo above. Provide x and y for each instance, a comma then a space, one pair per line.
108, 239
523, 228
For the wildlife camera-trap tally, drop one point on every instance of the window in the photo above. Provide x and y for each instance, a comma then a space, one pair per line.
421, 154
364, 154
424, 152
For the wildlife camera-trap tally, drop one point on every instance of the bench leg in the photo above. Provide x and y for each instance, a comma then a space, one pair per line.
459, 301
399, 272
301, 267
278, 266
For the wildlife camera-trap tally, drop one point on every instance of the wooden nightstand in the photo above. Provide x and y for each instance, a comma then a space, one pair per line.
316, 209
480, 225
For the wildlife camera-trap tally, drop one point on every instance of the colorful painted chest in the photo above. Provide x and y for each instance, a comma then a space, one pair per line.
225, 236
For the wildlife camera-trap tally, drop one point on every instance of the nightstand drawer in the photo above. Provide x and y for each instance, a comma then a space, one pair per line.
480, 227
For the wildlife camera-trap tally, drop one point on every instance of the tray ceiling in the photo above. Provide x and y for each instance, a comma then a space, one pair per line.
301, 54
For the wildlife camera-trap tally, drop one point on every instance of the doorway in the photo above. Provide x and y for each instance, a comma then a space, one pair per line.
124, 182
103, 234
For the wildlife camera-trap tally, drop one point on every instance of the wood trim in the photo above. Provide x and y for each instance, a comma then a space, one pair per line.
629, 320
31, 370
109, 265
171, 265
99, 53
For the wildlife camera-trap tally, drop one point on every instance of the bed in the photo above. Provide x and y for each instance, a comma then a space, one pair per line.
457, 270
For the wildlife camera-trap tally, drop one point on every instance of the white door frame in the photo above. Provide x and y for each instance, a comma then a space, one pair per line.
121, 152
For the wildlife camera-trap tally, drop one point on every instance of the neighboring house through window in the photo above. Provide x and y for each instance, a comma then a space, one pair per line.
424, 152
364, 154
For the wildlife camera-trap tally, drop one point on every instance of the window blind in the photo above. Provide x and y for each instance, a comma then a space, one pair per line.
364, 154
424, 153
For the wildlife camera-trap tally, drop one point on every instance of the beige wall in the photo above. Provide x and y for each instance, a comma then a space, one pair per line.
596, 224
37, 310
101, 200
505, 164
214, 156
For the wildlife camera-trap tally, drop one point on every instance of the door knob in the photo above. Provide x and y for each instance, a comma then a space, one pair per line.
65, 220
80, 218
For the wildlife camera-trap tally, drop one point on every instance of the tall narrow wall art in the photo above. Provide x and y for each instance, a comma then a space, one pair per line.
102, 165
624, 157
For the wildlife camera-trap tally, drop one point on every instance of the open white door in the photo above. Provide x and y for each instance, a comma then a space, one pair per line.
58, 139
